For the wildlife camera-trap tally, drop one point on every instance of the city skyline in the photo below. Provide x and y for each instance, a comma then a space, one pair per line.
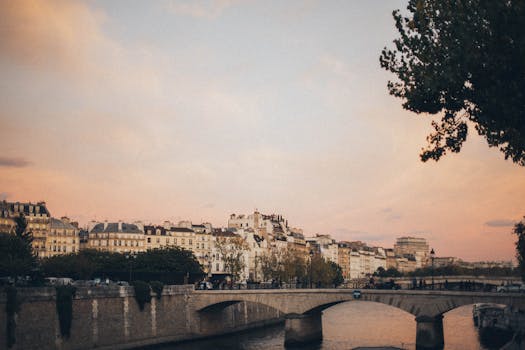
169, 111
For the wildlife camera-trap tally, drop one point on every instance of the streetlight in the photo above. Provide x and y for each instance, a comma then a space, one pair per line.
432, 256
130, 256
208, 260
311, 258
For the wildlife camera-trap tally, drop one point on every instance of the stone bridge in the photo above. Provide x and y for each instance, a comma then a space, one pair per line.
303, 307
406, 282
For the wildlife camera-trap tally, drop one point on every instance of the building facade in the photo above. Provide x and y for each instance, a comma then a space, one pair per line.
413, 246
63, 237
117, 237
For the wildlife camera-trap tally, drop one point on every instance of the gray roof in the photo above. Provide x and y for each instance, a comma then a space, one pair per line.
180, 229
59, 224
113, 227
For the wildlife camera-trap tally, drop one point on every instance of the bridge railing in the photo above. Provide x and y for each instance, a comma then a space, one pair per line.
421, 284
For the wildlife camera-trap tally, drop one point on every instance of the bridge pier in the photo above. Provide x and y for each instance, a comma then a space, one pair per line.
303, 328
429, 333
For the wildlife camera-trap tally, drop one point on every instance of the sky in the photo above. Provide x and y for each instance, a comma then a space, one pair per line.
176, 110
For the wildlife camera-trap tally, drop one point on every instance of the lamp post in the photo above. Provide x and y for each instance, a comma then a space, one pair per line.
311, 259
208, 261
432, 256
130, 256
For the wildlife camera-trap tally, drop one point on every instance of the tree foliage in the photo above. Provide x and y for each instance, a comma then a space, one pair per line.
465, 60
232, 251
90, 263
16, 257
519, 230
324, 273
390, 272
21, 230
283, 265
16, 253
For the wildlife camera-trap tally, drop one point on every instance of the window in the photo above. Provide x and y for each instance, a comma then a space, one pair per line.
149, 239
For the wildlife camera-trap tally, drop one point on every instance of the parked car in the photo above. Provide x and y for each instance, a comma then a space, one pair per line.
511, 288
205, 286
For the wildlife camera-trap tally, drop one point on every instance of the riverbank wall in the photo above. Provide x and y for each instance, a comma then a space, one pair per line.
110, 318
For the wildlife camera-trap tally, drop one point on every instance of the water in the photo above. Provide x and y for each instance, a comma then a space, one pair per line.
354, 324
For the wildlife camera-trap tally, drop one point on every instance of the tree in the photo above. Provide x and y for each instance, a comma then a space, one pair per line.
21, 229
232, 250
390, 272
465, 60
293, 266
172, 259
269, 266
325, 273
16, 257
16, 253
519, 230
337, 273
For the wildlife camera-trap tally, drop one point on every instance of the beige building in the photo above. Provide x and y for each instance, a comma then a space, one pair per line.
38, 221
343, 259
157, 237
63, 237
7, 223
117, 237
406, 263
414, 246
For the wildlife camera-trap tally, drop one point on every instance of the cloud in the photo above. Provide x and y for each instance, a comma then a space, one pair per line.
206, 9
500, 223
13, 162
53, 34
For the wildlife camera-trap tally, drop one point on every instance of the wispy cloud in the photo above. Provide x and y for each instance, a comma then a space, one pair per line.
500, 223
13, 162
206, 9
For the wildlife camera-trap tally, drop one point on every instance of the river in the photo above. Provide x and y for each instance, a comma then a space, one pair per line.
354, 324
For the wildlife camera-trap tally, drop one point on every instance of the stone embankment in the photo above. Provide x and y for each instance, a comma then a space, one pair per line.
110, 318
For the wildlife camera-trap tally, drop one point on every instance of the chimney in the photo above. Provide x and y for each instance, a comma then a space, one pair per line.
105, 225
120, 225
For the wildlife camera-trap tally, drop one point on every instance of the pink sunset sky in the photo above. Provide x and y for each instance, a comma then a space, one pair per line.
174, 110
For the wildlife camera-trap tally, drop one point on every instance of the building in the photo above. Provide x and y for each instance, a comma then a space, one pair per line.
268, 226
343, 258
406, 263
7, 223
390, 258
117, 237
414, 246
38, 221
63, 237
